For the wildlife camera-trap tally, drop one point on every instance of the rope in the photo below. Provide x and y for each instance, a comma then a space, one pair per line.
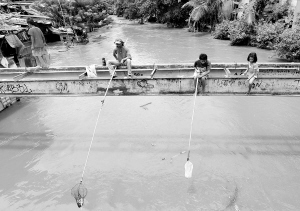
102, 101
192, 119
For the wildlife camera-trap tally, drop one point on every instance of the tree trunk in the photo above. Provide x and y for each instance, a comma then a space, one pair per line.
296, 13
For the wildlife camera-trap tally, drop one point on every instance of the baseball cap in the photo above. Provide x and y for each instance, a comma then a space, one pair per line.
118, 41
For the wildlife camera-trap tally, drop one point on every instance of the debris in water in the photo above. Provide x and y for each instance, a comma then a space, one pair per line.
143, 106
163, 158
174, 156
153, 144
236, 208
79, 192
232, 200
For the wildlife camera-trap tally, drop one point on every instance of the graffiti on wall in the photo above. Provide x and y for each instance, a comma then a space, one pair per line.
279, 72
144, 85
168, 83
260, 84
62, 87
14, 88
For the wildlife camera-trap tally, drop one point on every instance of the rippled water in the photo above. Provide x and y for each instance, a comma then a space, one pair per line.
155, 43
245, 150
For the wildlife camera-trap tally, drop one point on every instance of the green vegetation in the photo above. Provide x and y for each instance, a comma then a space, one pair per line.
261, 23
222, 30
289, 45
204, 13
267, 35
75, 12
161, 11
269, 29
241, 33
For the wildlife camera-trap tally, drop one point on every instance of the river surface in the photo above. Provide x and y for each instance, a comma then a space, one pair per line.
245, 149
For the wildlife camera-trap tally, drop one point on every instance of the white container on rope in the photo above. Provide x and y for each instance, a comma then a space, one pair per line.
188, 169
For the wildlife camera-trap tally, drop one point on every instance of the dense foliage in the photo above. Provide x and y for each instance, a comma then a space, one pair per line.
263, 23
289, 45
163, 11
204, 13
280, 12
175, 16
132, 11
66, 12
267, 34
240, 32
222, 30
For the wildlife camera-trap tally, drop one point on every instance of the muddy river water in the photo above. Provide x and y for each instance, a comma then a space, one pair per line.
245, 149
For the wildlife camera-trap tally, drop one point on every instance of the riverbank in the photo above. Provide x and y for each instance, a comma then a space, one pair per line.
241, 146
154, 43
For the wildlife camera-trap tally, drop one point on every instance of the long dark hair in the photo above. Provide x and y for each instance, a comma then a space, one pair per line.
253, 55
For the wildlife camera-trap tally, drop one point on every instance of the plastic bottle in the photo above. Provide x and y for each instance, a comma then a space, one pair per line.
103, 62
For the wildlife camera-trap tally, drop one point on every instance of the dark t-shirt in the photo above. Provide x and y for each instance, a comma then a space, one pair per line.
203, 67
206, 65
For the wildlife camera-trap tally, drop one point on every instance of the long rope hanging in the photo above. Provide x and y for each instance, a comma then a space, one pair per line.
98, 117
79, 191
102, 101
192, 118
188, 164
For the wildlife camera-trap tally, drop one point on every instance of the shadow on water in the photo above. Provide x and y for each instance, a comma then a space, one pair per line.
198, 34
6, 113
251, 147
232, 200
270, 140
17, 162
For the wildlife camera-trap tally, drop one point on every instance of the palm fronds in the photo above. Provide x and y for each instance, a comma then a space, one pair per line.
207, 11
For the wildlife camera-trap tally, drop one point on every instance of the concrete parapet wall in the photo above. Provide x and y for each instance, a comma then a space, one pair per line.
146, 86
163, 66
273, 78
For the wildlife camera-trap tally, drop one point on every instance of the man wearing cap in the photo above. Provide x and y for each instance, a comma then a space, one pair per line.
123, 58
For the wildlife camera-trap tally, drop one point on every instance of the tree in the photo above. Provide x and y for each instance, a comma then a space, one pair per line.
147, 8
91, 11
296, 14
257, 8
205, 12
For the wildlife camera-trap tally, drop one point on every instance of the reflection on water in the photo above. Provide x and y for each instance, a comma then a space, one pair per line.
241, 148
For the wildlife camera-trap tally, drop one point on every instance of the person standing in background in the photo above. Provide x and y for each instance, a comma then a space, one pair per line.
38, 44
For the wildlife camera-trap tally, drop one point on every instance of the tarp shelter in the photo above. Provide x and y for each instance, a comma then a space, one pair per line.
11, 45
17, 21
